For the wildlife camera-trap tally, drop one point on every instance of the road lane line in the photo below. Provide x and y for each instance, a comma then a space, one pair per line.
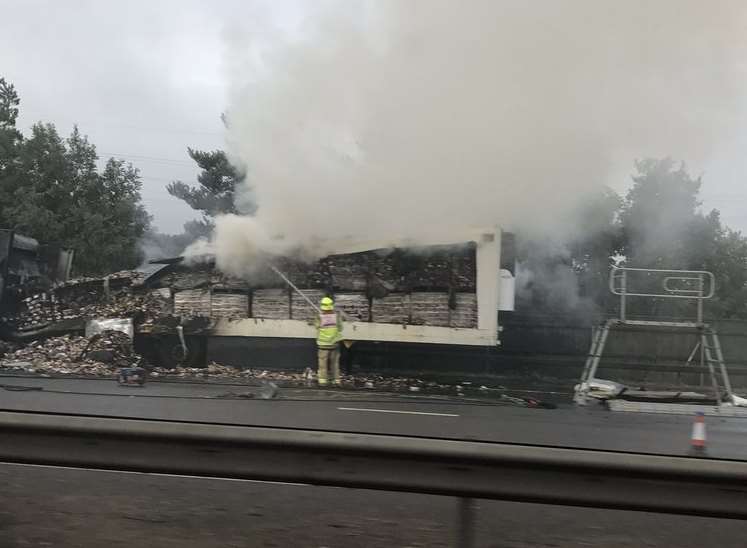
396, 411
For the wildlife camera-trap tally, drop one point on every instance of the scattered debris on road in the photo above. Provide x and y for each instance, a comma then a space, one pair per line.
103, 355
602, 389
132, 376
100, 355
95, 303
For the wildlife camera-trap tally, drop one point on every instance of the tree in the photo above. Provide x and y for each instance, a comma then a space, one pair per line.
157, 245
663, 229
10, 139
218, 181
52, 190
111, 221
658, 225
9, 102
595, 243
63, 198
662, 226
41, 197
729, 264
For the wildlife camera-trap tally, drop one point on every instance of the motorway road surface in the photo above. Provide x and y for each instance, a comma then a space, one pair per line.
50, 507
360, 411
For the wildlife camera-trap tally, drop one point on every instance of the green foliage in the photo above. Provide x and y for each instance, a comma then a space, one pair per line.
727, 261
10, 139
592, 249
218, 181
659, 224
111, 221
9, 102
52, 190
660, 220
664, 228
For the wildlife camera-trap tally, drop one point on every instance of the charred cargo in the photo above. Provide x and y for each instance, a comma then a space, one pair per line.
437, 294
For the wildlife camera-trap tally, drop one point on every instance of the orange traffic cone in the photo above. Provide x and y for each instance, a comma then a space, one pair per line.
698, 439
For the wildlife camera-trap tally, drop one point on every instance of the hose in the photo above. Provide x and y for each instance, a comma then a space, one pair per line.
180, 332
293, 286
303, 295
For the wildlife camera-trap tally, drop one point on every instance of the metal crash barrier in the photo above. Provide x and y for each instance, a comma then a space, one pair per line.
463, 469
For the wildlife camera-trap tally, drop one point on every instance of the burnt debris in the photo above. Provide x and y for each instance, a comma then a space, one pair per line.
433, 286
419, 286
101, 355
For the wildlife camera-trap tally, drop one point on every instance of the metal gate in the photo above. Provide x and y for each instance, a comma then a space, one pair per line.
692, 285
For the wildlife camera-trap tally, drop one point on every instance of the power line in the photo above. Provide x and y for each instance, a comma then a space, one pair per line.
155, 159
88, 123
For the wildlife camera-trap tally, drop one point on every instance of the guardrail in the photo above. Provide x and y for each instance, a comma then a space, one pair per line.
463, 469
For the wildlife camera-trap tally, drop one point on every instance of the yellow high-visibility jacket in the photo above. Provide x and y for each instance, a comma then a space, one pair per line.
329, 329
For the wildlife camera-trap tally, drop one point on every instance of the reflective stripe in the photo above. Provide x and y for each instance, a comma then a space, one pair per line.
328, 320
329, 332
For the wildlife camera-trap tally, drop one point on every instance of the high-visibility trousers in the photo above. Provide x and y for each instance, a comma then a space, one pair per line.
329, 358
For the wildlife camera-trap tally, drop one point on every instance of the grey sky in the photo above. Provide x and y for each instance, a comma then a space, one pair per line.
142, 79
145, 80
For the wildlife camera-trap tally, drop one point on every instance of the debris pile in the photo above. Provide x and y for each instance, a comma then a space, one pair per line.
83, 298
6, 348
111, 347
302, 378
101, 355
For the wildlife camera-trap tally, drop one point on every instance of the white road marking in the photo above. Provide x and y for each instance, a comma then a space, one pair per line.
396, 411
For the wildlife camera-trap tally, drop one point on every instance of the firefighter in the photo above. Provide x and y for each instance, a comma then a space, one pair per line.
329, 333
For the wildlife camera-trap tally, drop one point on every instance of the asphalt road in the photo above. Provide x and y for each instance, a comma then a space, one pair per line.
44, 506
52, 507
363, 411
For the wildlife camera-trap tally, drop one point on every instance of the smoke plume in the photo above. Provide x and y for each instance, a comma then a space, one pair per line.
358, 118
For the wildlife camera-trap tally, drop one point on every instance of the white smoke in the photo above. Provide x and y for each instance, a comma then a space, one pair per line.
240, 246
402, 117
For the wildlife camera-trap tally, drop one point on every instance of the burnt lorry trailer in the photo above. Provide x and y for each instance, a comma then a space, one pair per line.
402, 304
27, 267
